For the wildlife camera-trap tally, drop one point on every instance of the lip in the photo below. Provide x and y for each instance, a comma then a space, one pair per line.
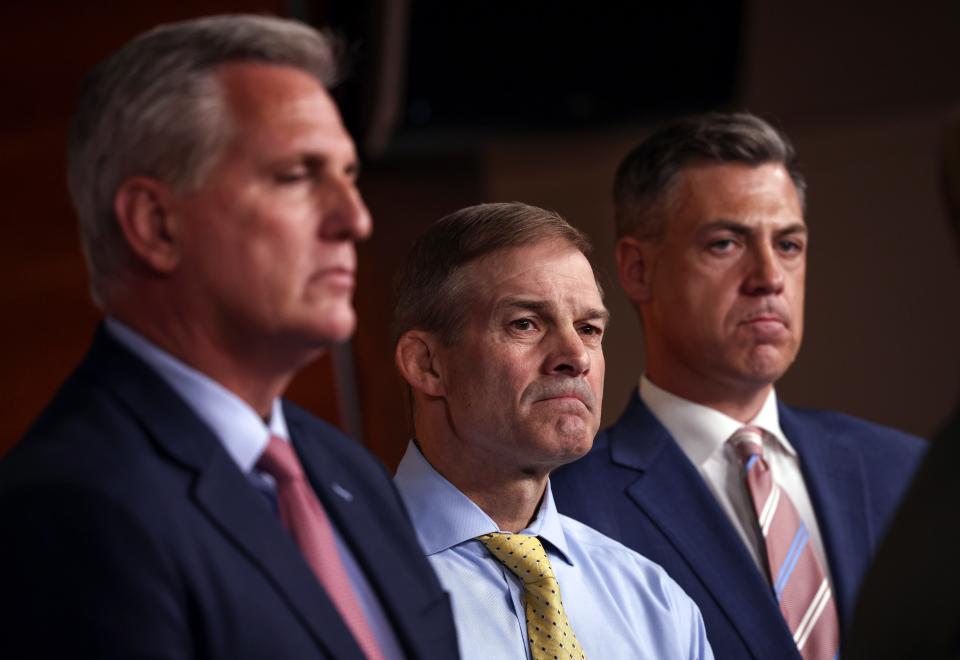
766, 328
563, 398
765, 320
337, 276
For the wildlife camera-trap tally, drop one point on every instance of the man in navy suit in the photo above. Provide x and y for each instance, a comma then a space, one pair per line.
712, 253
215, 187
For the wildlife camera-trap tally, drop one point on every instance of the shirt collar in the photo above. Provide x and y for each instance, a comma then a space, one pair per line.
458, 519
701, 431
239, 428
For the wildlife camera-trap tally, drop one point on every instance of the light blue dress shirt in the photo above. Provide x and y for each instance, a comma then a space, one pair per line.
620, 605
244, 435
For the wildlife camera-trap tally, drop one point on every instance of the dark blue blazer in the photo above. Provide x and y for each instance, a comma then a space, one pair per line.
127, 531
637, 486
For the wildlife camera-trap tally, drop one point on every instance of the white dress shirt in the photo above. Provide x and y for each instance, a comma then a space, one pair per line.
244, 436
702, 434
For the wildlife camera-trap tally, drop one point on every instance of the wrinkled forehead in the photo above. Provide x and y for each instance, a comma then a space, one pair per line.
549, 270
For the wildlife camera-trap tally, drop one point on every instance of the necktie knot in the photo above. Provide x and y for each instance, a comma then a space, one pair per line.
280, 461
748, 443
521, 553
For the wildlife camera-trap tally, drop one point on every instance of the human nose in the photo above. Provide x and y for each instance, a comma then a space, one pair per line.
569, 356
766, 273
346, 217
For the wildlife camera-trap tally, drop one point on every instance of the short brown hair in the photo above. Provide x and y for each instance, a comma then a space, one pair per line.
647, 172
430, 289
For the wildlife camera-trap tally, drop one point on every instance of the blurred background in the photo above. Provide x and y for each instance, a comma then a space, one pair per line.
455, 103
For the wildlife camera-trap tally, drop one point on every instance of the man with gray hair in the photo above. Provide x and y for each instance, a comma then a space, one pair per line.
167, 503
766, 515
499, 324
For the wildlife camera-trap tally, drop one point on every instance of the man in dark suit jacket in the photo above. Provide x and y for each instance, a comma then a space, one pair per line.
215, 186
712, 253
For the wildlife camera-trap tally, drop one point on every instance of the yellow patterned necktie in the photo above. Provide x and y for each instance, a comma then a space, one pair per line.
550, 634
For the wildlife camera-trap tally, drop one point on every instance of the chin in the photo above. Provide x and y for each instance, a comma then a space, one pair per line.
575, 442
335, 327
573, 452
764, 373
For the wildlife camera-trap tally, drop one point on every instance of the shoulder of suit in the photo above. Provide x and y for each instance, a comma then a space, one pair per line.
839, 422
308, 428
867, 436
309, 423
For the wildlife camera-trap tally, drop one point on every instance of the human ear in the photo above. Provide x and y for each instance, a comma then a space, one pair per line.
142, 208
415, 358
635, 268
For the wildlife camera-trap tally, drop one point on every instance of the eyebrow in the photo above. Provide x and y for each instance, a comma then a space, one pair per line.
742, 229
316, 161
543, 308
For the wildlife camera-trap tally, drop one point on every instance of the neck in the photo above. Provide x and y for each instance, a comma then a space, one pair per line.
740, 401
510, 495
513, 505
255, 376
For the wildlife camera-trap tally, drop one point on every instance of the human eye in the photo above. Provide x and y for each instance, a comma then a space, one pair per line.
524, 324
591, 330
791, 245
306, 168
721, 245
352, 171
292, 175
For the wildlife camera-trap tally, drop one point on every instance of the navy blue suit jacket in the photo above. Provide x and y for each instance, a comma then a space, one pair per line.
127, 531
637, 486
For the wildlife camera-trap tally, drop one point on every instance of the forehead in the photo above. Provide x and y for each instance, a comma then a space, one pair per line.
739, 192
281, 107
554, 271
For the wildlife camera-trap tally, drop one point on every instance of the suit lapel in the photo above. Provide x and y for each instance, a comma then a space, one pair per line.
221, 491
371, 540
834, 475
241, 514
671, 492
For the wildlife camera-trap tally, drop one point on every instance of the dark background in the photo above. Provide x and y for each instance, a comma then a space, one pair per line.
456, 103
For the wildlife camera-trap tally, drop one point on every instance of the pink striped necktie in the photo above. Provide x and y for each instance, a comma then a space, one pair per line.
304, 517
798, 580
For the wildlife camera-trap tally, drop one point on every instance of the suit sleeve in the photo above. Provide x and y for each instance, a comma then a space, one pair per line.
83, 578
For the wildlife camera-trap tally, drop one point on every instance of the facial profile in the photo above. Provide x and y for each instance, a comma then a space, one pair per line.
267, 240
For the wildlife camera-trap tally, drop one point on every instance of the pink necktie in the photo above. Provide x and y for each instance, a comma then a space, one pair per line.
304, 517
797, 578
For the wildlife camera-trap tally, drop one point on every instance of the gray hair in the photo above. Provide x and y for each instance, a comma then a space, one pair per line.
432, 293
155, 108
647, 173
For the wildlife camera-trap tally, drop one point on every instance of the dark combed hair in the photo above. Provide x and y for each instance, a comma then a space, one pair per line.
430, 290
648, 172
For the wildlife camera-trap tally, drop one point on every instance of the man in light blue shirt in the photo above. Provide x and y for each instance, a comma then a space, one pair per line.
499, 326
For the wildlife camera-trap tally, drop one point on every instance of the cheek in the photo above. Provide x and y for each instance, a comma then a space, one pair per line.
598, 372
